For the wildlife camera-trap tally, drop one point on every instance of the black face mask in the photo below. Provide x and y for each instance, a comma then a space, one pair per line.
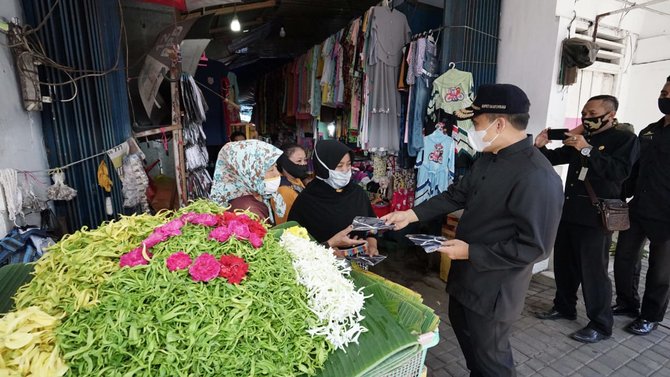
595, 123
664, 105
298, 171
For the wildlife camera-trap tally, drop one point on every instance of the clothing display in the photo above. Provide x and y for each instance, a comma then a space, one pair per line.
354, 71
425, 69
389, 32
198, 180
453, 91
435, 165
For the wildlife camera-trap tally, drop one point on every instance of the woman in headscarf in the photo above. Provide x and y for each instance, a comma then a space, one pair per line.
293, 166
246, 177
328, 205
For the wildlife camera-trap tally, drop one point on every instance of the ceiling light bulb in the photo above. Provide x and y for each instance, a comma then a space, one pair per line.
282, 32
235, 25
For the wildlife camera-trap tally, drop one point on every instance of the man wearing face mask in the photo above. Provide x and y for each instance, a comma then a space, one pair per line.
512, 200
649, 218
603, 155
328, 205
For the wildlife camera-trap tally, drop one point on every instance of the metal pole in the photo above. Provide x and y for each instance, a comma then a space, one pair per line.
602, 15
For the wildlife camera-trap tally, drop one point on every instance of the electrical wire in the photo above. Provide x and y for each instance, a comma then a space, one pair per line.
28, 48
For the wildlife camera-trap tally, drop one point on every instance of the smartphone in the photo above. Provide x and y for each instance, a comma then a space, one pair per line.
557, 134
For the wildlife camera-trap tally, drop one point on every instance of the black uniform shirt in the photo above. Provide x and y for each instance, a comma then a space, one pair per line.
651, 175
512, 205
612, 157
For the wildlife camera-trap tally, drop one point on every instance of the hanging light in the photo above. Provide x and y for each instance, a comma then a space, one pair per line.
331, 129
282, 32
235, 23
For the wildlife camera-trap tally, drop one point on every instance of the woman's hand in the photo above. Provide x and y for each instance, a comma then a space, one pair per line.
341, 240
372, 246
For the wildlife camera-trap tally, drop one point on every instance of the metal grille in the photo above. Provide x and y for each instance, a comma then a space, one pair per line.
84, 34
470, 38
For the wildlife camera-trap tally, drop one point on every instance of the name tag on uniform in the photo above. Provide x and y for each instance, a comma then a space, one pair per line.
582, 173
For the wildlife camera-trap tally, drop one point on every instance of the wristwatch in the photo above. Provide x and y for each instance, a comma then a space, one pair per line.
586, 151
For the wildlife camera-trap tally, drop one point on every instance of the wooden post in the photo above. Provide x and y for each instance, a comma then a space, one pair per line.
177, 139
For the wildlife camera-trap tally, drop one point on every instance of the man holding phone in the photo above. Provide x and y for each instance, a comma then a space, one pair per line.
512, 200
603, 156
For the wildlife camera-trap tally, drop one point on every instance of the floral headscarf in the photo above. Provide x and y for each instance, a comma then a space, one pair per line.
240, 170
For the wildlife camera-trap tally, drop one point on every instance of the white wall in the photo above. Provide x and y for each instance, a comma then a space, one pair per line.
527, 55
647, 75
21, 140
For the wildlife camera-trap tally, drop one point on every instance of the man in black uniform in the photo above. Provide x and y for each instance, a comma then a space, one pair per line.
603, 156
650, 218
512, 200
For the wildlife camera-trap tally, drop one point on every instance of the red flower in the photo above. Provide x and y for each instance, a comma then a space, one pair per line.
205, 268
233, 268
226, 217
178, 261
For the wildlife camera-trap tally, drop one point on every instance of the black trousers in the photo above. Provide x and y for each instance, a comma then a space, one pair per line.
628, 255
581, 256
484, 341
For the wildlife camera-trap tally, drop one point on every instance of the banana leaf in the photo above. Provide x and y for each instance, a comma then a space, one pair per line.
385, 341
12, 277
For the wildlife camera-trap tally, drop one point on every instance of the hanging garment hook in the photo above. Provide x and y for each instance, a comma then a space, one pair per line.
452, 65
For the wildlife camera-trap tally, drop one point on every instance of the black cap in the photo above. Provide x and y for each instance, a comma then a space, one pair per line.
496, 99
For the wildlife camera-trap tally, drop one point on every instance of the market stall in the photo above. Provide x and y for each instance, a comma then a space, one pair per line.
202, 291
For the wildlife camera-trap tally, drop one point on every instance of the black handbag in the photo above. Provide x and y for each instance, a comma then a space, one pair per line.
613, 212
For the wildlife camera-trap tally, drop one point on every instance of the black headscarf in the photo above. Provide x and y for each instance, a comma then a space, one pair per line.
320, 208
330, 152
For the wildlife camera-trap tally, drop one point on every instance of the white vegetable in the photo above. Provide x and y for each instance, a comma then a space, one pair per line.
331, 296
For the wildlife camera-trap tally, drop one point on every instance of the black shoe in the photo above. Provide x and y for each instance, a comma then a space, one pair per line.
641, 327
588, 335
553, 314
625, 310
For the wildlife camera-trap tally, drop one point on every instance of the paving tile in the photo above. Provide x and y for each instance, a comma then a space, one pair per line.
550, 372
626, 372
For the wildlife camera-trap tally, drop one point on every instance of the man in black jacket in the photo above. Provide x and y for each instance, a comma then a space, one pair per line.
650, 218
512, 200
603, 156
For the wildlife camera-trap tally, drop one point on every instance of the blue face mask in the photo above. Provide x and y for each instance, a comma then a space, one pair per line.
336, 179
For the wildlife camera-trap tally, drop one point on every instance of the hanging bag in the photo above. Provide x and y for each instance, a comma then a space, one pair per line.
613, 212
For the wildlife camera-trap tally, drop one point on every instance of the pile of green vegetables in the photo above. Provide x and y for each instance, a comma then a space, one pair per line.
147, 321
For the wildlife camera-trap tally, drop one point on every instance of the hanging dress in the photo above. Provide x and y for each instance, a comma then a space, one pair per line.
389, 33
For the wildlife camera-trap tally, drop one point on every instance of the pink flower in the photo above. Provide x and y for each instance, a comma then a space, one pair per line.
240, 229
178, 261
154, 239
134, 258
173, 228
233, 268
255, 240
221, 234
205, 268
205, 219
